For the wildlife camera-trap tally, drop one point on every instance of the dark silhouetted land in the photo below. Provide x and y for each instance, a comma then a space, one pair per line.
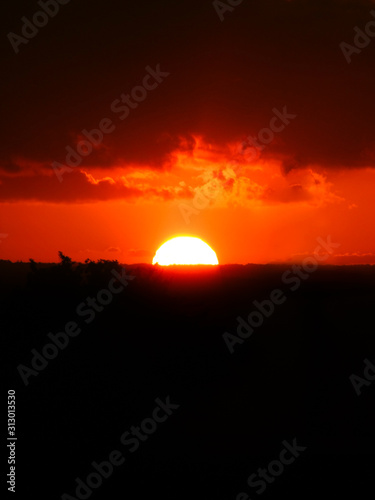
162, 335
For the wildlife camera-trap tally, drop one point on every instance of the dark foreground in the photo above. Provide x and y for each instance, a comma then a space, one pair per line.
283, 401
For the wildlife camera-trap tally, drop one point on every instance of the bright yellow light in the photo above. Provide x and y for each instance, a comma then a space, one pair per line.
185, 250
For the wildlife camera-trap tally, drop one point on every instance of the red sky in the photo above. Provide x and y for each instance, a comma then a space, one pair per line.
220, 83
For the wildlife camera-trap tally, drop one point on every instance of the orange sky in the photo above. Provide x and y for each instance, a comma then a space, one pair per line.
172, 97
256, 212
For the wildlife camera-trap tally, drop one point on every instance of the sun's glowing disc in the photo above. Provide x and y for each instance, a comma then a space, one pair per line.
185, 250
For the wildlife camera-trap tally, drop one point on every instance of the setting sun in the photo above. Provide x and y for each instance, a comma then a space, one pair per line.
185, 250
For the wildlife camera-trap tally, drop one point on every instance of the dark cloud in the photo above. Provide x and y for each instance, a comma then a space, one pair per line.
78, 186
225, 79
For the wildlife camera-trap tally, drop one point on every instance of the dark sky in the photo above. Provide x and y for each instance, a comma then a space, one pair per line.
225, 79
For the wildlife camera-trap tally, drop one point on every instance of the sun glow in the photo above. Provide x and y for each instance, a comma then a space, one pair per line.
185, 250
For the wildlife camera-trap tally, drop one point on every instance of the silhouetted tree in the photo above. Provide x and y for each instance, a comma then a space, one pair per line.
33, 265
65, 261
